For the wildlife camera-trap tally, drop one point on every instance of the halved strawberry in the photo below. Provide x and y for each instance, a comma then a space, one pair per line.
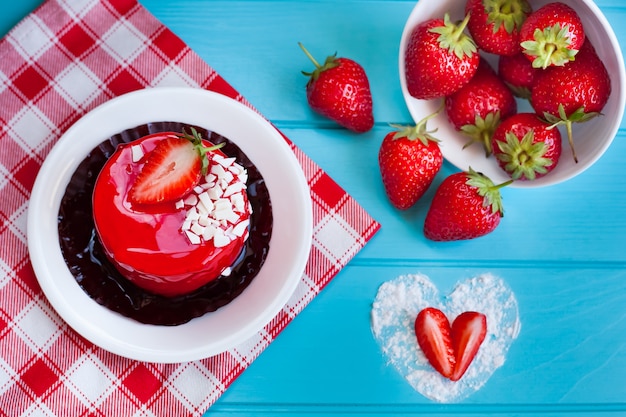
468, 332
433, 333
171, 169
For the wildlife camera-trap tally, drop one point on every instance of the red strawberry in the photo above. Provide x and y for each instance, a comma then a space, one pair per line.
518, 74
450, 349
477, 108
552, 35
495, 24
465, 206
573, 93
526, 147
409, 159
468, 332
439, 59
340, 90
171, 170
433, 333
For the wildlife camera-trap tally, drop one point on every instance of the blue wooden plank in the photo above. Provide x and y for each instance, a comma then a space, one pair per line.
254, 46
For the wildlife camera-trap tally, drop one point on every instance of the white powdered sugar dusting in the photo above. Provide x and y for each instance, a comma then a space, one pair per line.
396, 306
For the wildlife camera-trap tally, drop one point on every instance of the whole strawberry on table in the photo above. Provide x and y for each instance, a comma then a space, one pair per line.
339, 89
466, 205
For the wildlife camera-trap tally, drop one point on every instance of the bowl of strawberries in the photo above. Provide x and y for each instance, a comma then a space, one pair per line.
528, 91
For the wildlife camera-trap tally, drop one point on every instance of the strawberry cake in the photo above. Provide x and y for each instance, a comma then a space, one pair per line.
171, 212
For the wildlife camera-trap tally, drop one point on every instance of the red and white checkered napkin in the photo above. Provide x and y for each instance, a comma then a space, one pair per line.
64, 59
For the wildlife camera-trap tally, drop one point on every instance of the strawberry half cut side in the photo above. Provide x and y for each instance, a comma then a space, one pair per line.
468, 333
433, 333
171, 169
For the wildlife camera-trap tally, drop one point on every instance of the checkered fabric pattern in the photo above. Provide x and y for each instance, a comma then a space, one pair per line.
65, 58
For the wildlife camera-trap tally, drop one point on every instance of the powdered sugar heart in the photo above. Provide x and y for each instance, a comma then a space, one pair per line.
396, 306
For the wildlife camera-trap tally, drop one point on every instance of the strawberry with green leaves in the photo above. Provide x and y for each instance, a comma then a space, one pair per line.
340, 90
573, 93
466, 205
526, 147
477, 108
495, 24
171, 169
439, 59
409, 159
552, 35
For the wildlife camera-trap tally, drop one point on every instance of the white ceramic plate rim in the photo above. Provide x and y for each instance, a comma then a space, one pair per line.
214, 332
607, 46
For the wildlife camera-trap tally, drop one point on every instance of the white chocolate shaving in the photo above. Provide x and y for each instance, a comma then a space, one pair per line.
136, 152
215, 208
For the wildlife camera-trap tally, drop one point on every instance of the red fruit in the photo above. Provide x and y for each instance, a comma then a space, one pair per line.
552, 35
171, 170
495, 24
466, 205
573, 93
477, 108
439, 59
468, 332
433, 333
409, 159
340, 90
450, 349
518, 74
526, 147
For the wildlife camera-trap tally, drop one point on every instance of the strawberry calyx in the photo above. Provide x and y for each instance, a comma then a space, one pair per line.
419, 131
203, 151
509, 14
577, 116
522, 157
482, 131
331, 62
453, 37
550, 46
486, 188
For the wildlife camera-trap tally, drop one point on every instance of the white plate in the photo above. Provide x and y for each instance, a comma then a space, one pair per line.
591, 138
214, 332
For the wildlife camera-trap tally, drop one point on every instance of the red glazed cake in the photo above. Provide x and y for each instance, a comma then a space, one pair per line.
171, 212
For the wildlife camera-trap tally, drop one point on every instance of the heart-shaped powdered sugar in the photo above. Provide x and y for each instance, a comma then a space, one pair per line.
396, 306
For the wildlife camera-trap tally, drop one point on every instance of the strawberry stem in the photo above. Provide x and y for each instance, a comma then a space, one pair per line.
331, 62
308, 54
453, 38
196, 140
487, 189
419, 130
570, 139
577, 116
550, 46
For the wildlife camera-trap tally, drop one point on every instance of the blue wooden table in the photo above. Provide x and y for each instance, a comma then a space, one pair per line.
559, 248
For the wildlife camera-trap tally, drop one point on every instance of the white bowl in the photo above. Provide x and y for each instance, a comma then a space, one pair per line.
214, 332
591, 138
